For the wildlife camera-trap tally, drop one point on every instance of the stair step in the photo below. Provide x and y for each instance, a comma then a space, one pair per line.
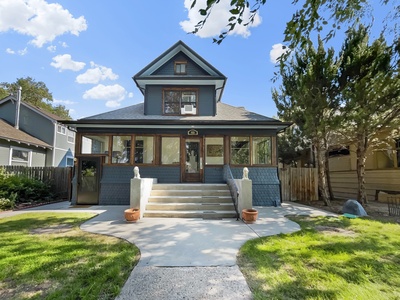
190, 206
190, 214
190, 193
190, 199
190, 186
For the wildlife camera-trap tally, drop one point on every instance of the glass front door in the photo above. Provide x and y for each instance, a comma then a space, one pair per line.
193, 168
88, 180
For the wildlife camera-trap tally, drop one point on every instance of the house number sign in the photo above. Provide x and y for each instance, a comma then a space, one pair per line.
193, 132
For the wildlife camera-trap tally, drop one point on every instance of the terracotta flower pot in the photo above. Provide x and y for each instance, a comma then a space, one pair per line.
132, 214
249, 215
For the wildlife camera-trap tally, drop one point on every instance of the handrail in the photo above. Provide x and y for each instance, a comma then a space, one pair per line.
228, 177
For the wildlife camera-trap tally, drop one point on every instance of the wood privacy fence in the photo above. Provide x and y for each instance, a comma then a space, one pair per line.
59, 178
299, 184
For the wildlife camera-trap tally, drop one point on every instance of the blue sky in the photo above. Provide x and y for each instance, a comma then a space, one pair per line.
86, 52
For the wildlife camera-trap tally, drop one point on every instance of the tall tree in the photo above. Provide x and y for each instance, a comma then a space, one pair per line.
369, 81
308, 96
291, 145
35, 93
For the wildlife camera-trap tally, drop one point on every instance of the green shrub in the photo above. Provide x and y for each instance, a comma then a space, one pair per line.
6, 204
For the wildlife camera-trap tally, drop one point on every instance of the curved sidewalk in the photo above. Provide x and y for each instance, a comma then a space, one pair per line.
187, 258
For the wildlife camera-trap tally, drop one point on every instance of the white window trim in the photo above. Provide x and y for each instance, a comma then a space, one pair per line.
63, 130
21, 149
66, 160
73, 135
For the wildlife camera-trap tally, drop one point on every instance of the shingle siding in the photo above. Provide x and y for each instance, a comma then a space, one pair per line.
266, 185
191, 67
214, 175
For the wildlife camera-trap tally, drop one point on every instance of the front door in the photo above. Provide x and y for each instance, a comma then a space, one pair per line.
88, 180
193, 160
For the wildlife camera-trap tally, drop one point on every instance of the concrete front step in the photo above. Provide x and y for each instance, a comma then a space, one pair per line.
190, 214
188, 200
190, 206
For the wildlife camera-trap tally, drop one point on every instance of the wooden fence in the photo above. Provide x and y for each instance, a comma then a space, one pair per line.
299, 184
59, 178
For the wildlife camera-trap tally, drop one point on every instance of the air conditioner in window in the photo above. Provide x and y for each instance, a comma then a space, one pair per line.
188, 110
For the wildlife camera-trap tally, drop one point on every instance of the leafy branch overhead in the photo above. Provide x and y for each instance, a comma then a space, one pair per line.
311, 15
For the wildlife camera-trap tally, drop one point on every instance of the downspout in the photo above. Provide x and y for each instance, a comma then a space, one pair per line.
54, 144
18, 108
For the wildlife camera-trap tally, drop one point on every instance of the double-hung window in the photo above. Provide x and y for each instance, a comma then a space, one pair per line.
179, 101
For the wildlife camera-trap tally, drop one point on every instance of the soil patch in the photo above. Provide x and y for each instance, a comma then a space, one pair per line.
61, 228
334, 230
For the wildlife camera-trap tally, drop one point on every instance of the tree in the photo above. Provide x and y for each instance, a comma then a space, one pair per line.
35, 93
308, 96
369, 83
291, 145
313, 15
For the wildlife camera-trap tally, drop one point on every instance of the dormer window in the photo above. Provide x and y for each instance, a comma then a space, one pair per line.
180, 67
180, 101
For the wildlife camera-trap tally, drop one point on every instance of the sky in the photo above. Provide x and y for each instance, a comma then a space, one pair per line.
86, 52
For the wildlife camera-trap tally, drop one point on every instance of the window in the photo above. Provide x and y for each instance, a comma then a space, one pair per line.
121, 149
170, 150
71, 136
240, 150
180, 67
144, 149
21, 157
70, 161
178, 102
61, 129
339, 151
95, 144
214, 151
261, 151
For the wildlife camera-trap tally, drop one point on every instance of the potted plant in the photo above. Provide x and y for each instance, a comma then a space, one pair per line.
249, 215
132, 214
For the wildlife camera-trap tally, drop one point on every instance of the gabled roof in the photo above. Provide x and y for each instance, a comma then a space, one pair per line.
37, 109
10, 133
214, 77
133, 116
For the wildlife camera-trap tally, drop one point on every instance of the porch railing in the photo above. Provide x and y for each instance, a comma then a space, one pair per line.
228, 177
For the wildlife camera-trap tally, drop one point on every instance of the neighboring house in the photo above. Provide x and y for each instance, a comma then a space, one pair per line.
181, 133
30, 128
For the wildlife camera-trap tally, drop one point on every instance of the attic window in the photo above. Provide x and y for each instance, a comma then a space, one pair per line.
180, 67
179, 102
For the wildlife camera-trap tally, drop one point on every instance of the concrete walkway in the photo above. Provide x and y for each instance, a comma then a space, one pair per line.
186, 258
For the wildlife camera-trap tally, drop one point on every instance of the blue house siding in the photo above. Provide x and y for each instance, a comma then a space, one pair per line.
191, 68
115, 181
214, 175
266, 185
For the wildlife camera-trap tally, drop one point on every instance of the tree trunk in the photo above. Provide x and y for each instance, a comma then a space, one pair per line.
328, 175
361, 157
322, 180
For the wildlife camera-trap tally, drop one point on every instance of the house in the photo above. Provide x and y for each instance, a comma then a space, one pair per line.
181, 133
33, 137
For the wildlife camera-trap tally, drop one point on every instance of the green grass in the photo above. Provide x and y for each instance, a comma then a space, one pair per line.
69, 264
330, 258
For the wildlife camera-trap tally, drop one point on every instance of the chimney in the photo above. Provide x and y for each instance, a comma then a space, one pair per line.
18, 108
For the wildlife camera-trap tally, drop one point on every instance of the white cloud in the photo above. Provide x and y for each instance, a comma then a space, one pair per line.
113, 94
10, 51
23, 51
41, 20
217, 21
63, 102
130, 95
64, 44
96, 74
52, 48
276, 51
65, 62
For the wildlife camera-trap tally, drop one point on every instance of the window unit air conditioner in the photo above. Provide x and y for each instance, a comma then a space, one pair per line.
188, 110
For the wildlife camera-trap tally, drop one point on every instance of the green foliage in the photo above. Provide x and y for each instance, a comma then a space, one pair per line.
17, 188
66, 263
291, 145
330, 258
35, 93
7, 204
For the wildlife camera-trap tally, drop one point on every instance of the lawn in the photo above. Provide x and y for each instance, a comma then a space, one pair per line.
330, 258
47, 256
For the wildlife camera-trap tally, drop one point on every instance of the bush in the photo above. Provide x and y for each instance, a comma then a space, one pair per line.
18, 187
6, 204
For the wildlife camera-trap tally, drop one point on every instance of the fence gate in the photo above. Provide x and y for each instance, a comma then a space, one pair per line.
299, 184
